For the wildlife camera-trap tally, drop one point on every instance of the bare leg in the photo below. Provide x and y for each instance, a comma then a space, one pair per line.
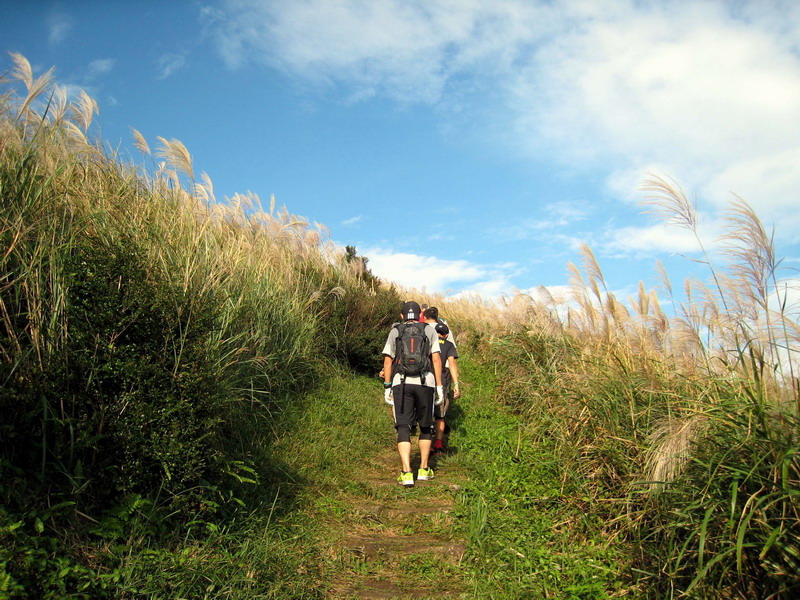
404, 449
424, 453
440, 429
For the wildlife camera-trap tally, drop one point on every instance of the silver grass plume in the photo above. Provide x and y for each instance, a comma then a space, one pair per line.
641, 303
575, 277
752, 250
176, 155
616, 308
74, 133
22, 71
208, 185
83, 110
670, 446
323, 229
592, 268
140, 143
59, 104
543, 296
664, 277
669, 202
200, 192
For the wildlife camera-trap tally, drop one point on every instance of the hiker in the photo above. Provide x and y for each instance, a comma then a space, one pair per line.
449, 354
412, 383
432, 317
422, 313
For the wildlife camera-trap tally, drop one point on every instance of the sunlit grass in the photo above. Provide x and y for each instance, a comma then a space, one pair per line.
645, 445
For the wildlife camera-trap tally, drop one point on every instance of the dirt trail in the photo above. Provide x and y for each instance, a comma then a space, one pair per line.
399, 542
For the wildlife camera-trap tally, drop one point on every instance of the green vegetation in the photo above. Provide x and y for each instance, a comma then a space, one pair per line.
187, 409
530, 534
152, 340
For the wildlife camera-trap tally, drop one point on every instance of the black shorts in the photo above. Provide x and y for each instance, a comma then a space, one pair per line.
413, 403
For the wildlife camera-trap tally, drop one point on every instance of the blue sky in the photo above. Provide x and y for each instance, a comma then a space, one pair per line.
461, 145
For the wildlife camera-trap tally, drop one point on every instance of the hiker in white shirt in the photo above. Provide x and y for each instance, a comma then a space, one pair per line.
412, 381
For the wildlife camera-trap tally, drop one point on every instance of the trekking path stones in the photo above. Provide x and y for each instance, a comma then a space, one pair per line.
398, 542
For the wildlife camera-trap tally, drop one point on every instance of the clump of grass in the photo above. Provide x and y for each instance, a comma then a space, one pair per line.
689, 421
151, 336
530, 533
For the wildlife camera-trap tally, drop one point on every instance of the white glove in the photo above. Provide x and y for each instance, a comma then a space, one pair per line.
387, 396
439, 395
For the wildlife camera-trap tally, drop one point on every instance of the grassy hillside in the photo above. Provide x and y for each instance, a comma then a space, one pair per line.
151, 337
179, 375
678, 433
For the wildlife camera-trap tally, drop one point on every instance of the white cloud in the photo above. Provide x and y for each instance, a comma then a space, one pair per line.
59, 26
769, 182
100, 67
712, 100
409, 50
353, 220
551, 217
654, 239
708, 91
169, 64
494, 288
438, 275
649, 80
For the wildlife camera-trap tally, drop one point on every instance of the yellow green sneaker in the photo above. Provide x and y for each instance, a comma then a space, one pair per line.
425, 474
406, 479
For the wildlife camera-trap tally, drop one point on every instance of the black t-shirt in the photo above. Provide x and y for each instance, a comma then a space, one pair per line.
447, 350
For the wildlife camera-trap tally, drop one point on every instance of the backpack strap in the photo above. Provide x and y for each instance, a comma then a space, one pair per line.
400, 328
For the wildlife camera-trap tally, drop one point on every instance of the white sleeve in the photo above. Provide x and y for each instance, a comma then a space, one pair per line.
388, 348
433, 338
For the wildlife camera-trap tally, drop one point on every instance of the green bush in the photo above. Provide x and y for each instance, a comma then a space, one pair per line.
130, 401
356, 325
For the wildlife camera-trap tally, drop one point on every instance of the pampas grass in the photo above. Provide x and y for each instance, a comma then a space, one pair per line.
176, 155
680, 414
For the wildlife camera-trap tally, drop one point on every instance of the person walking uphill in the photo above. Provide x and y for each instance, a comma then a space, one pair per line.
448, 354
412, 381
431, 316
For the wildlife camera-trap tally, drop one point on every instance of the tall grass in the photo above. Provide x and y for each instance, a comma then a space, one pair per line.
683, 428
151, 335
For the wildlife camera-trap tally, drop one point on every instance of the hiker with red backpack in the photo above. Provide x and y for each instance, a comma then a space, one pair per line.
412, 381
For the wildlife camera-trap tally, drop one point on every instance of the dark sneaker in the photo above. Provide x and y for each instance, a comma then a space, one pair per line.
438, 448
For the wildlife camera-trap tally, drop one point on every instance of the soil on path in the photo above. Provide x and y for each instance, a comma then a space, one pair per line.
400, 542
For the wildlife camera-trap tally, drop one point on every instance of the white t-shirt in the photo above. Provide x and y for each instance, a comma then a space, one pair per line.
389, 350
450, 337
